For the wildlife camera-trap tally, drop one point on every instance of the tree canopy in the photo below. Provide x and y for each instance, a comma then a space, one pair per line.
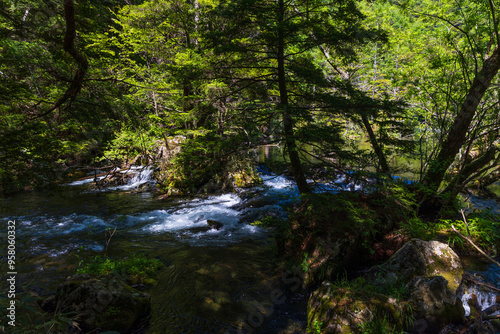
102, 82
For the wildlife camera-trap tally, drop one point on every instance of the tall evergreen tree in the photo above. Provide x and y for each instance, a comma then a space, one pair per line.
276, 44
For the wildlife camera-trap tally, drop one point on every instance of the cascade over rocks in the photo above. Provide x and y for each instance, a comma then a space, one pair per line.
104, 303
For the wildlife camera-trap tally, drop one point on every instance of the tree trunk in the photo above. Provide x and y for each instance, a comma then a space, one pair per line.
457, 134
69, 46
457, 185
384, 167
291, 145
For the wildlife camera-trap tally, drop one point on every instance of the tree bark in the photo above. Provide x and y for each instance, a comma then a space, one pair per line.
384, 167
456, 185
457, 134
291, 145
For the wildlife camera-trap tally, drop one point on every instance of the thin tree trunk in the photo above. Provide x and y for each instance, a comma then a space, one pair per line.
384, 167
291, 145
456, 185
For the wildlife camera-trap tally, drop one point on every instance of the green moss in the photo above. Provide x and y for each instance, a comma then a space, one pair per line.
137, 269
355, 309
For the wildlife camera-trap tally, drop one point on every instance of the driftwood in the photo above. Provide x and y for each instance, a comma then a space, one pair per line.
492, 317
478, 282
491, 309
473, 244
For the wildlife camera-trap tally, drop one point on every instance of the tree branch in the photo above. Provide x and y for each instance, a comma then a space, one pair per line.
83, 65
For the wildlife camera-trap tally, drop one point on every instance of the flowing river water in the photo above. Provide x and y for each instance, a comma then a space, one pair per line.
213, 281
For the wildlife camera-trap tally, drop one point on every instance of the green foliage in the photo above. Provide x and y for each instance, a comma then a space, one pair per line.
136, 268
484, 229
270, 222
381, 324
316, 328
129, 144
242, 172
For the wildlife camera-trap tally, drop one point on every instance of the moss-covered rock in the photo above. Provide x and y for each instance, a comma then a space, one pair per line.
327, 233
334, 309
433, 303
104, 304
420, 258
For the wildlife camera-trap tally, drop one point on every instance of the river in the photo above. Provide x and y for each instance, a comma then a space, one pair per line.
212, 280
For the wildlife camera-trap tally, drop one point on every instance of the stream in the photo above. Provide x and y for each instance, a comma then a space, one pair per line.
213, 281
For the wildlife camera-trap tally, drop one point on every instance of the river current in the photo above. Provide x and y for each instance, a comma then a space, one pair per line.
213, 281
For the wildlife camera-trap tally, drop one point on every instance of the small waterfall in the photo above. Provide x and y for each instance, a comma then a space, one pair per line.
141, 176
484, 299
483, 282
86, 180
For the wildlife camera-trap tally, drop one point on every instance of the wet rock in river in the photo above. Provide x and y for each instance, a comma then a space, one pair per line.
105, 304
214, 224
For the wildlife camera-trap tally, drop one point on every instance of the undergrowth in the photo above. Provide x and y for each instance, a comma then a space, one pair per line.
482, 227
136, 268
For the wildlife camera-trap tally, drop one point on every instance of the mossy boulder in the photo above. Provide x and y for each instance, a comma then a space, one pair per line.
420, 258
103, 304
334, 309
433, 303
245, 178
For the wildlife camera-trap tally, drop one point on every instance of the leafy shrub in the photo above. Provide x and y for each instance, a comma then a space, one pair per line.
129, 144
201, 158
484, 229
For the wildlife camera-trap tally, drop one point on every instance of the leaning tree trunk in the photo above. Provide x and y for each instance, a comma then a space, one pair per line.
457, 134
291, 145
457, 184
384, 167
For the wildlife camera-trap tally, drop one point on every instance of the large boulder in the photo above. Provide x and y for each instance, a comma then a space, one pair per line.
104, 304
420, 258
336, 309
433, 304
422, 275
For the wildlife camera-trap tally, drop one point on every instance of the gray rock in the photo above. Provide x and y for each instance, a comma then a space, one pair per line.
214, 224
433, 303
420, 258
